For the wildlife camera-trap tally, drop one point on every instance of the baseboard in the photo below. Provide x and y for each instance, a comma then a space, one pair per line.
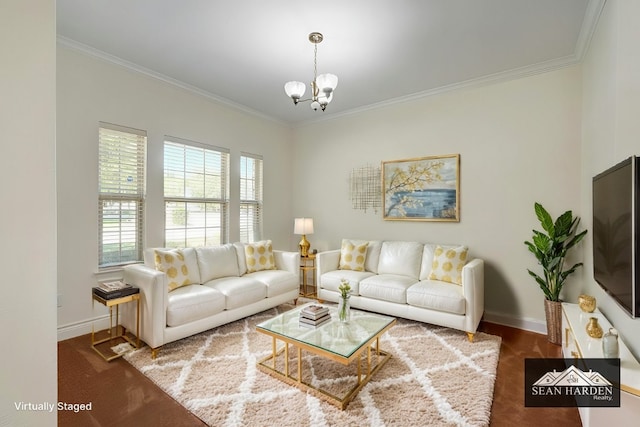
527, 324
83, 327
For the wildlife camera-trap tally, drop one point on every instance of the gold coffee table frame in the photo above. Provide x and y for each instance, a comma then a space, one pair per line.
375, 359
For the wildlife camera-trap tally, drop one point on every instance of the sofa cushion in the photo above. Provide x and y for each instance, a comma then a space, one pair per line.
239, 291
387, 287
353, 254
427, 261
400, 258
437, 295
448, 263
373, 256
172, 262
193, 302
259, 256
331, 279
278, 282
217, 261
242, 262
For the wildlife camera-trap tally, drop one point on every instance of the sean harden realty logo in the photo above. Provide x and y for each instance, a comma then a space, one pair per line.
594, 384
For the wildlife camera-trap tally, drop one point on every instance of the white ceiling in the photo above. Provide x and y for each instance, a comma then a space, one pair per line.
241, 52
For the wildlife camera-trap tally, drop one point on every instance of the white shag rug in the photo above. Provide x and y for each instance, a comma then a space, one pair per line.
434, 378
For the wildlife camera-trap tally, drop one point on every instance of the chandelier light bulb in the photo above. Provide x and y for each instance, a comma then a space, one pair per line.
322, 86
327, 82
295, 90
323, 99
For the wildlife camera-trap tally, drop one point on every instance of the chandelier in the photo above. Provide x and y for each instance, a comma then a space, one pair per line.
322, 86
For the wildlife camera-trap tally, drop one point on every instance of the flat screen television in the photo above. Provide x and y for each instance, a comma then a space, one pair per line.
615, 233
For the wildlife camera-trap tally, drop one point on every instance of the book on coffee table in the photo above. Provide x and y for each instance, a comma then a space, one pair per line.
305, 321
112, 290
314, 311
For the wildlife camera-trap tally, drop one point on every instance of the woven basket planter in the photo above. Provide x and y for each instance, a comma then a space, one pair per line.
553, 315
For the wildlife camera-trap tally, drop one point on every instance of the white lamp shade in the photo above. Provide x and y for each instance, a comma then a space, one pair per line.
327, 82
324, 99
303, 226
294, 89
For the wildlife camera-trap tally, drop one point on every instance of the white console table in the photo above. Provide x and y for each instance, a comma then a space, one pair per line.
577, 343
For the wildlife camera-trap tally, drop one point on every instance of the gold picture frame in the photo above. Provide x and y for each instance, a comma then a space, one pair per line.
422, 189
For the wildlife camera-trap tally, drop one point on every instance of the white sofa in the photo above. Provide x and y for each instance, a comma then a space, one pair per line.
223, 292
395, 281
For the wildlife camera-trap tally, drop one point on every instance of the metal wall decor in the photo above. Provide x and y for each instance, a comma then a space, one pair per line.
422, 189
365, 190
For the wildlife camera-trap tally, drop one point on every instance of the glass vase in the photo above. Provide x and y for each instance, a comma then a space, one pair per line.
344, 312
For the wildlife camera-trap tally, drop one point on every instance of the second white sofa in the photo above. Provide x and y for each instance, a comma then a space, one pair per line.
398, 279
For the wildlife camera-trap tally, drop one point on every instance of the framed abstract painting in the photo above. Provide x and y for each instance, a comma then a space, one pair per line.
422, 189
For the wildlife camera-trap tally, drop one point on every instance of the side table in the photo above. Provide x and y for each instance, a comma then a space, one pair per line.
308, 265
117, 332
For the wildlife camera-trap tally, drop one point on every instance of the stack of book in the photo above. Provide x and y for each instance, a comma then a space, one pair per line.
314, 315
112, 290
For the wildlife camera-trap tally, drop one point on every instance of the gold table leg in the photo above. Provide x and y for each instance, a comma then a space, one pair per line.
299, 365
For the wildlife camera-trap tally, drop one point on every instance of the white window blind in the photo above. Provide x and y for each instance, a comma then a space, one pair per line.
196, 188
121, 192
250, 198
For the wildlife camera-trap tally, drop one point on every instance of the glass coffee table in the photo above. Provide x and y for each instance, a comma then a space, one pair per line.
344, 343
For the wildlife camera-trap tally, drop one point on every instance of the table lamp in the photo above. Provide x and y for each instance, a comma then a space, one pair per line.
303, 226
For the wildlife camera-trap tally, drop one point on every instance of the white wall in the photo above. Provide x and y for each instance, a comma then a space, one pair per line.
27, 171
92, 90
611, 129
519, 143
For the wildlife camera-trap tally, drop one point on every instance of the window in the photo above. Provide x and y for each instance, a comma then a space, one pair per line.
121, 187
196, 188
250, 198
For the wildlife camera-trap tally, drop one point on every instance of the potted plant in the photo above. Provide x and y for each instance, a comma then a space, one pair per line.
550, 249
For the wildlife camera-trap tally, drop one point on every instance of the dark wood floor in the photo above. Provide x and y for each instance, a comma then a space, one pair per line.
121, 396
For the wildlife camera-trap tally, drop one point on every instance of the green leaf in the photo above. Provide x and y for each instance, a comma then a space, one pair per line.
545, 219
575, 240
542, 241
542, 283
563, 224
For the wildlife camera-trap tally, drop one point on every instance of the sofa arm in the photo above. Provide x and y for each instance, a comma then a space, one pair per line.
288, 261
473, 290
153, 303
327, 261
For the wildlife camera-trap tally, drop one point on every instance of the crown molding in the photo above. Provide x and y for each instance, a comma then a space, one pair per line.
589, 25
112, 59
500, 77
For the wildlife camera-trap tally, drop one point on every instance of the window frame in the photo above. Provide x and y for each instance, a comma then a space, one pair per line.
131, 154
222, 202
251, 229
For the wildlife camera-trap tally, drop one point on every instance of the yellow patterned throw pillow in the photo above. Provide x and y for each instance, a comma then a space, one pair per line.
171, 262
447, 264
259, 256
353, 255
